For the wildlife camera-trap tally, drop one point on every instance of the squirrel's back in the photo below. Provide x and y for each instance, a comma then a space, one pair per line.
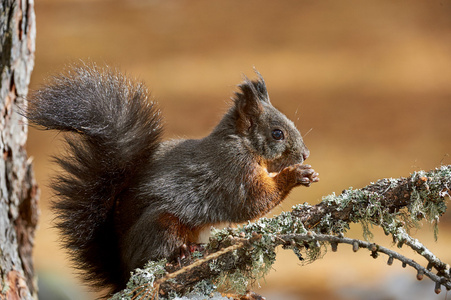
115, 133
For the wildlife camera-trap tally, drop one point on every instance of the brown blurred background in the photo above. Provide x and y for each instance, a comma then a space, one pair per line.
369, 81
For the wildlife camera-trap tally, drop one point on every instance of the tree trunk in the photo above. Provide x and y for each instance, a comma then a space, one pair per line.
18, 190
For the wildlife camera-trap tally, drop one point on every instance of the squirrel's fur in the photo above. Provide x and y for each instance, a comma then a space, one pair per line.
127, 197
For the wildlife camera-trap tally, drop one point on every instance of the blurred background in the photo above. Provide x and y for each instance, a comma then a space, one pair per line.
368, 80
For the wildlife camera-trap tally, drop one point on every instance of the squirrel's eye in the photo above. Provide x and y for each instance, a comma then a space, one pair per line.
277, 134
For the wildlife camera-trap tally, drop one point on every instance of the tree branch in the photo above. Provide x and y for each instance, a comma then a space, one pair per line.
236, 257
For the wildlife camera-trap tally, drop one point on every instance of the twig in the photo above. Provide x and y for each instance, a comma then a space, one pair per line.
442, 279
419, 248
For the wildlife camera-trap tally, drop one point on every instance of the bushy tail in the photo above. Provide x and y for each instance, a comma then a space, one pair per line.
117, 131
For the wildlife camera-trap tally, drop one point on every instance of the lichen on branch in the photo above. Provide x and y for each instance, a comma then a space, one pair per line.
388, 203
235, 258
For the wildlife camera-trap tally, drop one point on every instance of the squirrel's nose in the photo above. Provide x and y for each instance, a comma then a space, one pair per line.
305, 153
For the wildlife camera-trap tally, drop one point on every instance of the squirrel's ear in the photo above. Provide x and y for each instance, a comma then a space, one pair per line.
249, 102
260, 88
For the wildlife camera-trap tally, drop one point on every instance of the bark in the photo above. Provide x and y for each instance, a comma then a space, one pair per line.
18, 189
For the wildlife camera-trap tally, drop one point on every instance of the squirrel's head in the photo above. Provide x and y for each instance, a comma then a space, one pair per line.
268, 132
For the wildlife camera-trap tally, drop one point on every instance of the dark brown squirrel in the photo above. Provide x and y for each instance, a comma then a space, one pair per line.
127, 197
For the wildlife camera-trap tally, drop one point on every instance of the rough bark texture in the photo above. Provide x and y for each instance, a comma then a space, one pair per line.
18, 190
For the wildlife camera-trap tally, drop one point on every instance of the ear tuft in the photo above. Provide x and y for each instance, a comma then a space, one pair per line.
254, 89
249, 101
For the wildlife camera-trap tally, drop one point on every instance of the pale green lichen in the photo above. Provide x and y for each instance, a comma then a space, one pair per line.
429, 191
142, 280
427, 202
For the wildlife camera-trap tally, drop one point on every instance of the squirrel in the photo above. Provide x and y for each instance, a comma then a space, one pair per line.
127, 197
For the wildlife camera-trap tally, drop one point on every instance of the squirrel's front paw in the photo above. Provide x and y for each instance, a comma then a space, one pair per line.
305, 175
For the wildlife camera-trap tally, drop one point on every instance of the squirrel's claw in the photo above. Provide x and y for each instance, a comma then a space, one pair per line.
305, 175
